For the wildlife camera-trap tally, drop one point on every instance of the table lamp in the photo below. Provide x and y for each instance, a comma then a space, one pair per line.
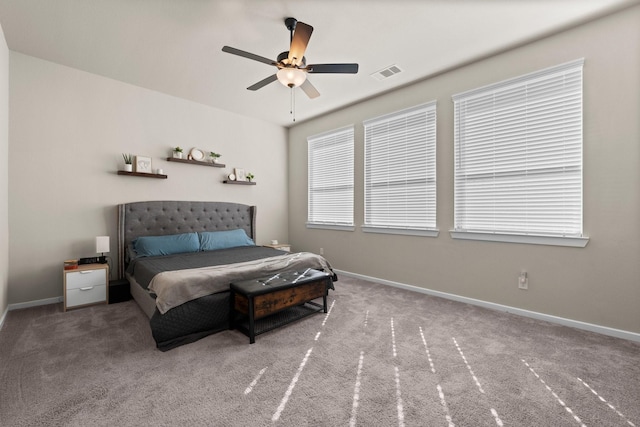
102, 246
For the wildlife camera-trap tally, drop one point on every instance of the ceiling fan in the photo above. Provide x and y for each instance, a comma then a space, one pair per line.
292, 65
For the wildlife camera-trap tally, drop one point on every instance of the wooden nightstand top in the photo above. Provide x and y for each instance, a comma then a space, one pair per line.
85, 267
281, 246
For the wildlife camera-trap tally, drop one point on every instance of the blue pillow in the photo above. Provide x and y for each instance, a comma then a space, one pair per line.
212, 240
166, 245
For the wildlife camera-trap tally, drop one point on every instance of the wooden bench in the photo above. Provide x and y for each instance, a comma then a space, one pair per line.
277, 300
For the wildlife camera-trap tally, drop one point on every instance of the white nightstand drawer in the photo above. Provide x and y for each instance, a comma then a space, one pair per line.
88, 284
87, 294
86, 278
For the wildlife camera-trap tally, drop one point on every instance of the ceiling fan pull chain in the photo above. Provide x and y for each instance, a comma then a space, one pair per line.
293, 104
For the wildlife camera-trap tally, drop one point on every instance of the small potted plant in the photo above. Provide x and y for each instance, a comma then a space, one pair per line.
214, 157
177, 152
249, 176
128, 162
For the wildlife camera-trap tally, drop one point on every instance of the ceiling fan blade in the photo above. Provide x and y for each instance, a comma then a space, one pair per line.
333, 68
234, 51
301, 36
309, 89
263, 82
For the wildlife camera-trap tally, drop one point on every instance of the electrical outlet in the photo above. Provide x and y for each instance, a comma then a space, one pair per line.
523, 280
321, 251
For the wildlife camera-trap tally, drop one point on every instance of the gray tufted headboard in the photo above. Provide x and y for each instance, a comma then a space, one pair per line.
174, 217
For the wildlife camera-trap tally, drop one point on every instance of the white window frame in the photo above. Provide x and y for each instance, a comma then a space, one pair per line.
518, 169
330, 179
400, 172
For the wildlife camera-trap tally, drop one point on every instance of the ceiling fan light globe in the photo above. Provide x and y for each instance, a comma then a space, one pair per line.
291, 77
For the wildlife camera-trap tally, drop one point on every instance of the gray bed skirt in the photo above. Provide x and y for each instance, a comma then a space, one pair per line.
191, 321
184, 324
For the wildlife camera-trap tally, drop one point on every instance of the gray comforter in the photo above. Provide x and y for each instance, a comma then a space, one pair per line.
173, 288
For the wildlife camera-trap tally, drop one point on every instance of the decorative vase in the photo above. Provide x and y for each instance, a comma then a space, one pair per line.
177, 155
128, 167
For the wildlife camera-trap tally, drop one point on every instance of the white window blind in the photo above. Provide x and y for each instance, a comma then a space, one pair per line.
330, 168
400, 170
518, 155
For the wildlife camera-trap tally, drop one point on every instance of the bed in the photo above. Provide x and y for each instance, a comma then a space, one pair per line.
184, 288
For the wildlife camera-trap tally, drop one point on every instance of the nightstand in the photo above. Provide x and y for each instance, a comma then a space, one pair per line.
86, 285
281, 247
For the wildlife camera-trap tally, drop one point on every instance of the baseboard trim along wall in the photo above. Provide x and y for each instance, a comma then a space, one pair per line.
618, 333
4, 316
35, 303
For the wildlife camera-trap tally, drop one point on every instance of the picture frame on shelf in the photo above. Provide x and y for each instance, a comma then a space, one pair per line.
143, 164
241, 175
196, 154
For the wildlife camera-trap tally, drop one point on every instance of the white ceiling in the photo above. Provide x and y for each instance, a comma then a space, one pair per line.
174, 46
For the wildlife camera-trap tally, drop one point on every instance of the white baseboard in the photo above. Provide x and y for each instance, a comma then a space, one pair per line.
4, 316
35, 303
28, 304
618, 333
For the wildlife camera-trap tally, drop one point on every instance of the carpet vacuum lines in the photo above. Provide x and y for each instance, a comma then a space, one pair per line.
424, 341
464, 359
553, 393
399, 398
494, 413
356, 390
602, 399
326, 316
255, 381
443, 401
294, 380
399, 405
398, 392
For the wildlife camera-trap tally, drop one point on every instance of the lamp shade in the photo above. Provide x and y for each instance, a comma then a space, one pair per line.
291, 77
102, 244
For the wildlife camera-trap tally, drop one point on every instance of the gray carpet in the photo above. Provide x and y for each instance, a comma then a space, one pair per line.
381, 357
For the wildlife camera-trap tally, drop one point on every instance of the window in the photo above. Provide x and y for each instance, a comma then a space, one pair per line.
330, 166
400, 172
518, 159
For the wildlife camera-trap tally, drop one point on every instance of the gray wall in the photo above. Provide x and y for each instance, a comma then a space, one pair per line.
598, 284
68, 129
4, 173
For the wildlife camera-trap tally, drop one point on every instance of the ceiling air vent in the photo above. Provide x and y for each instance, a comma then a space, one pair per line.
387, 72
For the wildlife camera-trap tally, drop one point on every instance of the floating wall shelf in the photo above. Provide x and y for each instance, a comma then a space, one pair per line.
144, 175
239, 182
196, 162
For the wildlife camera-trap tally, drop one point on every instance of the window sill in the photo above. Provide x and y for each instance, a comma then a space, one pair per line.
402, 231
574, 242
338, 227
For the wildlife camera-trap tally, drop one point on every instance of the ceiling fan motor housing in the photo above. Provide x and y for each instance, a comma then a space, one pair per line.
283, 59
